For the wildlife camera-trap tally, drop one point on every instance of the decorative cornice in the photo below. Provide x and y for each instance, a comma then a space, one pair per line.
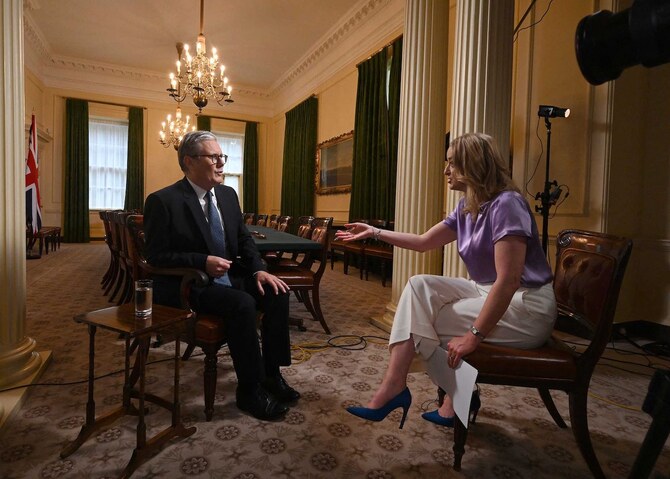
357, 15
34, 36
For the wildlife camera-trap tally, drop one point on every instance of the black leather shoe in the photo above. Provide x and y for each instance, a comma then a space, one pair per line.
260, 404
280, 389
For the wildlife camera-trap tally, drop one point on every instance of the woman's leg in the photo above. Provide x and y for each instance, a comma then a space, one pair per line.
395, 378
414, 328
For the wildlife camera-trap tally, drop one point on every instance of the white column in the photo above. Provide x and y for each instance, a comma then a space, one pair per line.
18, 359
482, 91
423, 100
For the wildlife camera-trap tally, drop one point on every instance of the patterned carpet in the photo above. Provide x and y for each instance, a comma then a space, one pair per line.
514, 436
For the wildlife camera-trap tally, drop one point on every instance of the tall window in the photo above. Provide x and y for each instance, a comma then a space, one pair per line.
232, 144
108, 159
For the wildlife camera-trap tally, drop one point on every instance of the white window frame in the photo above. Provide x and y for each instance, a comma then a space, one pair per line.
234, 156
115, 165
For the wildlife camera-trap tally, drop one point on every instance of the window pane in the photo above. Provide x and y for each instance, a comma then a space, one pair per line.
108, 158
232, 144
233, 182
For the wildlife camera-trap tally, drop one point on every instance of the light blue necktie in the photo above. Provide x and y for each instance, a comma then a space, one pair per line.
218, 236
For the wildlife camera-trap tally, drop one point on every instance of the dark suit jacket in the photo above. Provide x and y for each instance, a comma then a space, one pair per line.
178, 235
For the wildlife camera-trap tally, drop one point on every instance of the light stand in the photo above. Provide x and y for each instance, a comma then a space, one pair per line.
548, 197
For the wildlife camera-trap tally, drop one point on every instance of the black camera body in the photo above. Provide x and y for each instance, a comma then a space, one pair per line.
606, 43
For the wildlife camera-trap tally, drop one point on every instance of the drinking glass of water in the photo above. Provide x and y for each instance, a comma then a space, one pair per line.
144, 289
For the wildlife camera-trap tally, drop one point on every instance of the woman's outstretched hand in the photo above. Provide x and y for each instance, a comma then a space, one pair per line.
355, 231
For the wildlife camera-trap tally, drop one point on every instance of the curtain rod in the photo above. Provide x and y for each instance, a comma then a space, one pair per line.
227, 118
112, 103
385, 46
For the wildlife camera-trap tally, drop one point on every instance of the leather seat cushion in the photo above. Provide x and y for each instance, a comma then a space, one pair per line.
554, 360
295, 277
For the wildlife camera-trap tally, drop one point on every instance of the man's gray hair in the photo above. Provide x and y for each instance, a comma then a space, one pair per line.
190, 145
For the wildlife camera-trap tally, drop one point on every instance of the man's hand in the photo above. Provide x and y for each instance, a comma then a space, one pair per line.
461, 346
263, 277
216, 266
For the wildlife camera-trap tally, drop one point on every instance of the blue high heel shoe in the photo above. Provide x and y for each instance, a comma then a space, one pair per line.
403, 400
435, 418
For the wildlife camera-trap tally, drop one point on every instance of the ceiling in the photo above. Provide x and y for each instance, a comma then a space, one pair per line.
258, 40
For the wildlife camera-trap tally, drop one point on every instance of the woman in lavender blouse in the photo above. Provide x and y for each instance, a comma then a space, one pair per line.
508, 300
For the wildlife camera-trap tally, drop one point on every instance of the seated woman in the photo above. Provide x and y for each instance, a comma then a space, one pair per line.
509, 299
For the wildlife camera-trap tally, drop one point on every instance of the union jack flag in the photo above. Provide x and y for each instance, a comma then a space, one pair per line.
33, 200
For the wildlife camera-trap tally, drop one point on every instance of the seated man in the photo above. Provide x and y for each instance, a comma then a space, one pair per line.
184, 227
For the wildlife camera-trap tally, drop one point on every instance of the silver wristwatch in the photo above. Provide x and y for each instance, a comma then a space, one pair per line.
477, 333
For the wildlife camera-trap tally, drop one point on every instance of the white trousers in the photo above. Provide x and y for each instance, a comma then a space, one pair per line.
434, 309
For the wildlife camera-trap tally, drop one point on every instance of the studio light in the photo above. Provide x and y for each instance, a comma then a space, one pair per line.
548, 111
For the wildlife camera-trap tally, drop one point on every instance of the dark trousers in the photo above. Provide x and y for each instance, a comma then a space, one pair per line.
237, 307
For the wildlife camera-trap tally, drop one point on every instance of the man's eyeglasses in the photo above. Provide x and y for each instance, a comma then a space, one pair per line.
214, 158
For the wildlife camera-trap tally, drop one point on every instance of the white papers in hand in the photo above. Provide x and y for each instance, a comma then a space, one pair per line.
458, 383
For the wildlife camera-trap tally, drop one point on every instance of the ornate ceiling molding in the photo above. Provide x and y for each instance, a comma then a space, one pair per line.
358, 15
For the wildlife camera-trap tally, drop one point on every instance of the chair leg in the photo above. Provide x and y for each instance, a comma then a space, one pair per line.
460, 436
383, 273
314, 307
551, 407
332, 258
120, 280
580, 429
346, 262
188, 352
112, 279
209, 377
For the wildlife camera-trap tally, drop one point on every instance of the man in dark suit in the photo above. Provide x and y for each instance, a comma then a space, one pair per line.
181, 223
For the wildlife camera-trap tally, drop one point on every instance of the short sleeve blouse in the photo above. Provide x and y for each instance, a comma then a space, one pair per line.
508, 214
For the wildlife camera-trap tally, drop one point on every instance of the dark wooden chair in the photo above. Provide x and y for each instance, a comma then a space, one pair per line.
305, 278
283, 223
589, 271
272, 221
249, 218
304, 231
109, 278
124, 281
380, 250
261, 220
348, 249
208, 332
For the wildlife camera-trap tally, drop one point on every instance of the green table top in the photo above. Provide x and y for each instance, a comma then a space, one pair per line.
269, 239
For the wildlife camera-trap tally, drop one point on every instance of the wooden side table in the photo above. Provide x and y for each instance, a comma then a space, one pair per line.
122, 320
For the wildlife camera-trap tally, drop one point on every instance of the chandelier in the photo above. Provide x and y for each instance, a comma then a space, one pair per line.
198, 76
173, 131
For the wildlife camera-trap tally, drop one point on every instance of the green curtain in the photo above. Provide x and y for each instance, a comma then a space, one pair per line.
393, 124
297, 190
375, 159
75, 199
135, 169
370, 182
204, 123
250, 168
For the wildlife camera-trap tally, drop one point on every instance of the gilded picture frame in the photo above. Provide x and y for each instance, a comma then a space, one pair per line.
334, 165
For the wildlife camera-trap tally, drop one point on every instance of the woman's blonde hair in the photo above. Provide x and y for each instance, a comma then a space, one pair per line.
478, 161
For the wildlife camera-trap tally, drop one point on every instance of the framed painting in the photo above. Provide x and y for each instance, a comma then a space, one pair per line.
334, 165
